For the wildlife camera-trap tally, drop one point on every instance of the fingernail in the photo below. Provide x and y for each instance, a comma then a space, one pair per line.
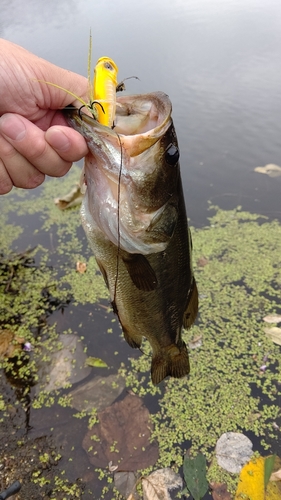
12, 127
58, 140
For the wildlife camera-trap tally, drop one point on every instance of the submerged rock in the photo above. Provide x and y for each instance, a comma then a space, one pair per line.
58, 368
97, 393
233, 451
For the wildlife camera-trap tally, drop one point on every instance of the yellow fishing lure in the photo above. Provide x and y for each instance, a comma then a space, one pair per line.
102, 91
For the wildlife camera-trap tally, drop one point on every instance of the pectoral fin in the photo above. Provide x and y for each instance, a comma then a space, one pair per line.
140, 271
192, 306
162, 226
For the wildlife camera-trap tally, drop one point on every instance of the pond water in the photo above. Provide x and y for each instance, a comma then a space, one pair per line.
220, 64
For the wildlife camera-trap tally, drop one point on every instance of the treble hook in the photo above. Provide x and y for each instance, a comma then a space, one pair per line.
90, 106
121, 86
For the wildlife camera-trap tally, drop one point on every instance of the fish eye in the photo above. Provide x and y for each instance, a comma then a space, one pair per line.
109, 66
172, 155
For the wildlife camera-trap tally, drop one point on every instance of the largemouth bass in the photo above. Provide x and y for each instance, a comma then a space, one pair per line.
133, 213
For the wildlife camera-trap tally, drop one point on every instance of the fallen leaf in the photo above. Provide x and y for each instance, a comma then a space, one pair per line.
81, 267
72, 199
252, 481
125, 483
233, 450
195, 342
274, 333
275, 476
219, 491
122, 436
270, 169
194, 471
95, 362
10, 344
98, 393
274, 318
268, 468
156, 486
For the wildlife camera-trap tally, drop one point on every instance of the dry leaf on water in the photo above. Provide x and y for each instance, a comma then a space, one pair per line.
272, 318
270, 169
81, 267
10, 344
122, 437
219, 491
274, 333
195, 342
157, 485
276, 476
72, 199
233, 450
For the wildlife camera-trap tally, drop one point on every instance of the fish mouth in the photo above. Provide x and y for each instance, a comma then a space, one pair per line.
121, 168
140, 114
140, 121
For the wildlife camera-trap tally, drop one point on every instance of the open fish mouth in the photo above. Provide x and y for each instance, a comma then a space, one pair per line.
119, 163
140, 120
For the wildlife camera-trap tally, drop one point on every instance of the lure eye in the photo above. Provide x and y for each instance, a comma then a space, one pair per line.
109, 66
172, 155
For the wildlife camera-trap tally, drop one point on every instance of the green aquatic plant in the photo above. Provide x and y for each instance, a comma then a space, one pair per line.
237, 261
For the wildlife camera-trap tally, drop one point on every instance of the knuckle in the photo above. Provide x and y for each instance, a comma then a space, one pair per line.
7, 151
38, 150
5, 182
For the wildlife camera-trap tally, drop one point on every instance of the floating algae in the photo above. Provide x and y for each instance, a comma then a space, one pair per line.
239, 284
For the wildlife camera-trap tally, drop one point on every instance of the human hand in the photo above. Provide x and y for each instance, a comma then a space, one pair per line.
34, 138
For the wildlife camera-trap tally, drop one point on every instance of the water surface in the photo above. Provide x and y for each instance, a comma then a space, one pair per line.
219, 63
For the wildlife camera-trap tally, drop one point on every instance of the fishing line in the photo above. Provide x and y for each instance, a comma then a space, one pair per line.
118, 219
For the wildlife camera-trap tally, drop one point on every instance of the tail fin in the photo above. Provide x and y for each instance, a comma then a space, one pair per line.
172, 360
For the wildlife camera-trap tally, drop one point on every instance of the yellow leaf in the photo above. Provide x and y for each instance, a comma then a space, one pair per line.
251, 484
